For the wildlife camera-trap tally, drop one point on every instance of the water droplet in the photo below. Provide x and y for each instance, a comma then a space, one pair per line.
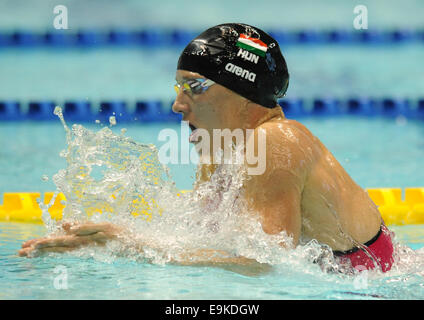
112, 120
63, 154
45, 177
97, 121
57, 111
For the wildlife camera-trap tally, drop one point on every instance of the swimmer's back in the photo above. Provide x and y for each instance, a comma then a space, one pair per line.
334, 208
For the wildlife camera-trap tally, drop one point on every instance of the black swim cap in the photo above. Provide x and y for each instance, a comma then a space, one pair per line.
241, 58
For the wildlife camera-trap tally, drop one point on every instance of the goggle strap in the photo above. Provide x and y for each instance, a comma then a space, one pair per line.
207, 83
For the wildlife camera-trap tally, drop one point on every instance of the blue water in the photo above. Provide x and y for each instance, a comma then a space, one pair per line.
390, 149
36, 15
34, 153
132, 74
106, 278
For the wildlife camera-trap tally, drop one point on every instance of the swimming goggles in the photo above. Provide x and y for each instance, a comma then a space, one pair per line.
194, 86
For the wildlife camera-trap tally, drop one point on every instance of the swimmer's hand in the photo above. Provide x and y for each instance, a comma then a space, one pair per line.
76, 235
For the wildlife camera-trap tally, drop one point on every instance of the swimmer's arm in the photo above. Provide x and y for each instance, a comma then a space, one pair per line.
276, 194
279, 207
210, 257
74, 236
89, 234
222, 259
71, 237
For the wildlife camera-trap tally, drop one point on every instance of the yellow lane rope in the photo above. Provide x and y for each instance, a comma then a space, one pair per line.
395, 209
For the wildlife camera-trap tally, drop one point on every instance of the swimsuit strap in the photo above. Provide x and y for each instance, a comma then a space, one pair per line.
367, 244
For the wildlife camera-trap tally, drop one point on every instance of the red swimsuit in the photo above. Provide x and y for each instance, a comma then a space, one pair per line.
380, 248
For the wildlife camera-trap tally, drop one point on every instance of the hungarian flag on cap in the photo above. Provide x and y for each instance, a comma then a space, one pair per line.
253, 45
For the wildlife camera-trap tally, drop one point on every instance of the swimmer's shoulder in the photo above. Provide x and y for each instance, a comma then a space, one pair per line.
288, 131
291, 138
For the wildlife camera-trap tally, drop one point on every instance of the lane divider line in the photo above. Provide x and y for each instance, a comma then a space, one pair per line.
395, 210
161, 111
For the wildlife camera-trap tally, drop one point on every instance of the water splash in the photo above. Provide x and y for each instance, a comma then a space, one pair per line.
112, 178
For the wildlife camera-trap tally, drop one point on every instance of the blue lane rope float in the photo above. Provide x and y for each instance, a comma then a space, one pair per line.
10, 111
361, 106
40, 110
113, 108
159, 111
77, 111
178, 37
328, 107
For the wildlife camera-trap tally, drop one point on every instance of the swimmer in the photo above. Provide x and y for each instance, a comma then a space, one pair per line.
230, 76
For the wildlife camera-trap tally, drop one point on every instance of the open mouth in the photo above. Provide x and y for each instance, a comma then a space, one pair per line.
193, 136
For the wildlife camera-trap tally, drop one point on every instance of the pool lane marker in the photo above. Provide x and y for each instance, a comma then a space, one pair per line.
23, 206
161, 111
180, 37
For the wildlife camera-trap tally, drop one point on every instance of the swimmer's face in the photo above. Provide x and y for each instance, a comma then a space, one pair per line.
212, 109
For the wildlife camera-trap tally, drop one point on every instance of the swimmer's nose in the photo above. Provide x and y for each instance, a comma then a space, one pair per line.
180, 104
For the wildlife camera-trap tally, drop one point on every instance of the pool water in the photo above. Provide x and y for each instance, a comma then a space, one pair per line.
25, 14
376, 152
104, 277
101, 274
393, 153
133, 74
